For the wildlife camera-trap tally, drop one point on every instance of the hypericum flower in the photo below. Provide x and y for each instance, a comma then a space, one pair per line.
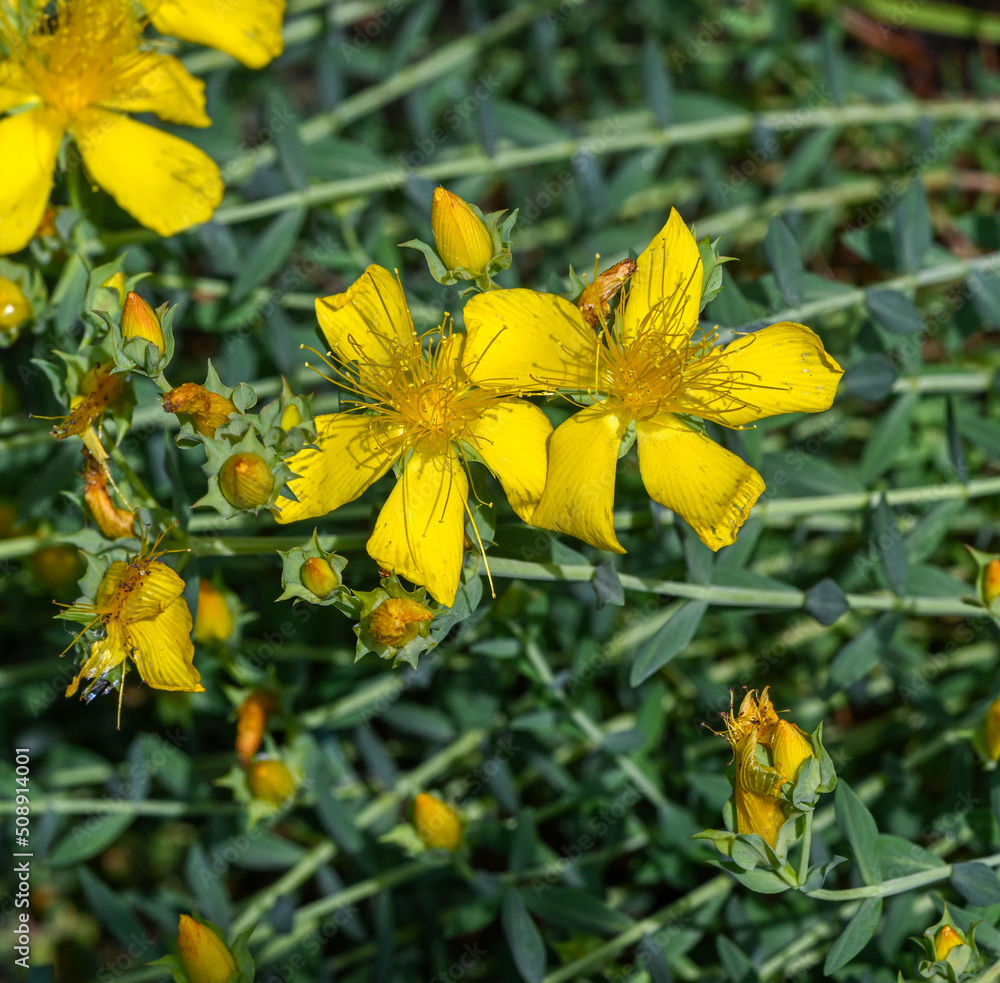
79, 68
249, 30
114, 522
414, 404
139, 613
647, 369
438, 825
139, 320
206, 410
205, 957
214, 621
945, 941
461, 238
270, 781
251, 722
397, 620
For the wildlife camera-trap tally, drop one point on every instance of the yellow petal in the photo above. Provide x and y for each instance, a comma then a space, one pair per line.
166, 183
789, 747
249, 30
15, 88
780, 369
163, 650
104, 656
706, 485
421, 529
522, 339
511, 438
370, 321
161, 84
155, 589
438, 825
350, 455
579, 496
30, 142
664, 295
756, 813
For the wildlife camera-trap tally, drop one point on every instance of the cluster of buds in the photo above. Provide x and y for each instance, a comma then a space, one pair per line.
467, 244
204, 956
780, 772
950, 954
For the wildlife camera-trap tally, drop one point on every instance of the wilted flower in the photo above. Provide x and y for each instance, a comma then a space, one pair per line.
251, 722
461, 238
79, 68
438, 825
205, 957
214, 621
397, 620
114, 522
270, 781
246, 481
99, 388
206, 410
139, 320
647, 373
595, 301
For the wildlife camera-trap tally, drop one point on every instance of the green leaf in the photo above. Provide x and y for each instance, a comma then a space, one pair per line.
870, 378
523, 938
114, 914
268, 253
861, 653
785, 257
889, 544
734, 960
912, 231
576, 911
826, 602
858, 825
668, 642
855, 937
88, 838
894, 311
890, 436
977, 883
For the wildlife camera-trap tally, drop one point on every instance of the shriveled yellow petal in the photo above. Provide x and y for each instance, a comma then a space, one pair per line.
249, 30
579, 496
421, 529
780, 369
30, 142
105, 655
664, 295
161, 84
710, 488
157, 588
370, 321
163, 650
350, 454
522, 339
166, 183
756, 813
511, 437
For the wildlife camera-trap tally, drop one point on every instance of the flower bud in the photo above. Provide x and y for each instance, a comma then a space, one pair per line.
318, 575
116, 282
992, 731
251, 722
246, 481
397, 621
15, 308
991, 582
270, 781
205, 409
946, 940
459, 234
789, 748
114, 522
205, 957
438, 825
214, 622
140, 321
291, 417
57, 567
594, 302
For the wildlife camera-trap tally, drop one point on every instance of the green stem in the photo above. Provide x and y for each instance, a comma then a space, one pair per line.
806, 848
68, 806
137, 484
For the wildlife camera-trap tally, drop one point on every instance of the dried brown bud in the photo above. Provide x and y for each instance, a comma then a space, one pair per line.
206, 410
396, 621
114, 522
595, 301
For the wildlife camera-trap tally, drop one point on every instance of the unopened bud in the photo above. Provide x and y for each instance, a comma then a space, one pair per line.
438, 825
251, 722
946, 940
991, 582
317, 574
291, 417
206, 410
270, 781
214, 622
790, 748
205, 957
595, 301
396, 621
116, 282
14, 306
992, 731
140, 321
459, 234
246, 481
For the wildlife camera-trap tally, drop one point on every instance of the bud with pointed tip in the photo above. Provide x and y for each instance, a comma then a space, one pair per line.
991, 582
206, 410
317, 574
396, 621
438, 825
116, 282
946, 940
140, 321
461, 238
270, 781
290, 417
214, 621
246, 481
15, 307
205, 957
251, 722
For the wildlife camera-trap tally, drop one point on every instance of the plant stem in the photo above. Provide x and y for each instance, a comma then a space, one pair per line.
806, 848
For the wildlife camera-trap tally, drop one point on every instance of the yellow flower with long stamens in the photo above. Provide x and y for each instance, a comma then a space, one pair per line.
414, 405
647, 369
249, 30
79, 70
139, 613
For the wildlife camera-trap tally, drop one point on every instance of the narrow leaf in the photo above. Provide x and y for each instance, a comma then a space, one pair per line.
668, 642
858, 825
523, 938
855, 937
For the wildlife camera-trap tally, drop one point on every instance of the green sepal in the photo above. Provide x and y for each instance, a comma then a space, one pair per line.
287, 442
983, 561
434, 262
136, 354
712, 263
291, 578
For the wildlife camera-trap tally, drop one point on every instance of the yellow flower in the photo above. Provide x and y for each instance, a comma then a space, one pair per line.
461, 239
214, 621
438, 825
139, 320
270, 781
79, 69
249, 30
139, 613
206, 410
205, 957
946, 940
650, 370
415, 405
